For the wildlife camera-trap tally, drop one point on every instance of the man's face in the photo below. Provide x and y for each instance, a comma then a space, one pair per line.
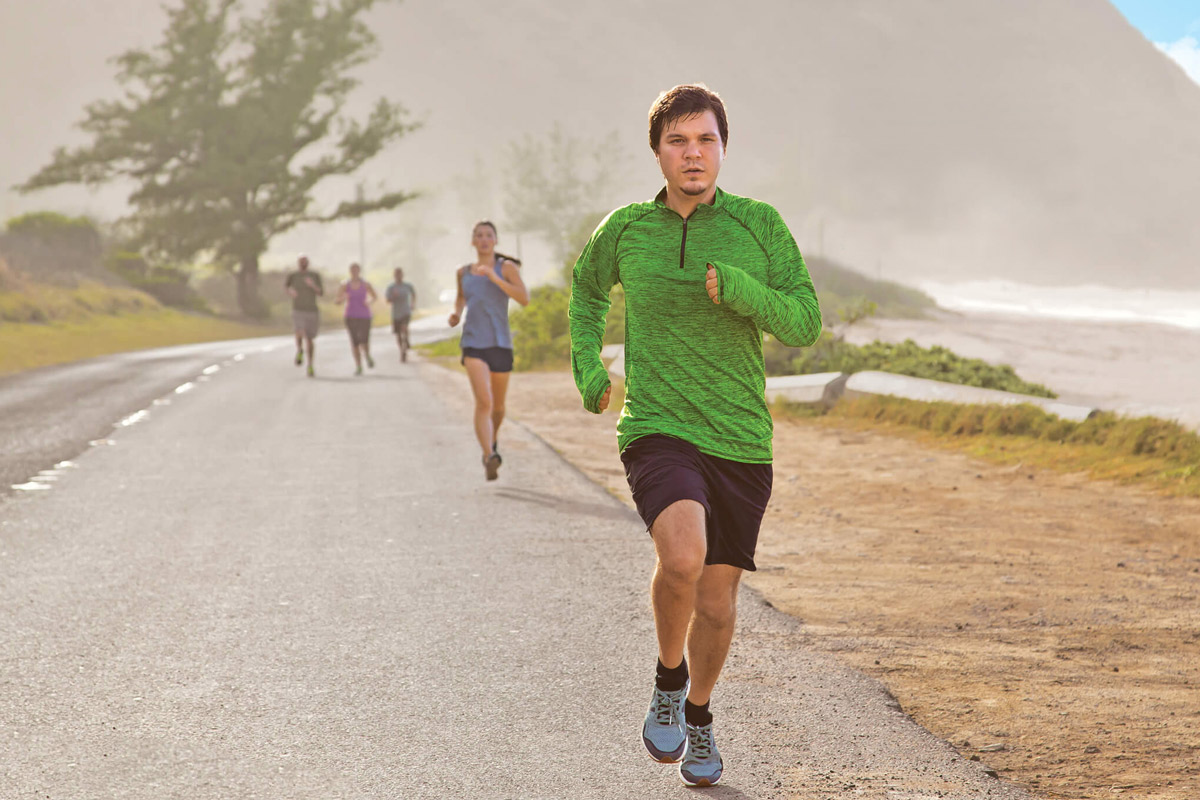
690, 153
302, 263
399, 274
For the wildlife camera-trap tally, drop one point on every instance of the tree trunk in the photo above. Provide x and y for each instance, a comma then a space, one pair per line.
249, 300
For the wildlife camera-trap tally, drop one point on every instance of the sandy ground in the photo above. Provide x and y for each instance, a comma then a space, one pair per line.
1045, 624
1135, 369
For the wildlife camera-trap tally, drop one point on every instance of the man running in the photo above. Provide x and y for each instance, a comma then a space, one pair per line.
403, 297
705, 273
304, 287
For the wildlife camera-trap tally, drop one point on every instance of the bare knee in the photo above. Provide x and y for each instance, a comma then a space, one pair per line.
681, 567
716, 611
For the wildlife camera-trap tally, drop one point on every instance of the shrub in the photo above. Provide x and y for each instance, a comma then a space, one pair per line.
937, 363
169, 285
541, 338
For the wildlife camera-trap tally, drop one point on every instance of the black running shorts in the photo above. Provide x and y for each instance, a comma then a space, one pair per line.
399, 323
498, 359
662, 470
360, 329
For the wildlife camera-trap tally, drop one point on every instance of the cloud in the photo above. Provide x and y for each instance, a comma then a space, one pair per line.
1185, 53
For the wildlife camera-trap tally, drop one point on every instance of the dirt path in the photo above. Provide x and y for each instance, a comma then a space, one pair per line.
1045, 624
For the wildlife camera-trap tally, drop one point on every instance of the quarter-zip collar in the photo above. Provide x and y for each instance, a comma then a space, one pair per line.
718, 202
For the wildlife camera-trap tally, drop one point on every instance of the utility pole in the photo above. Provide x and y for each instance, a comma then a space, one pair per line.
362, 235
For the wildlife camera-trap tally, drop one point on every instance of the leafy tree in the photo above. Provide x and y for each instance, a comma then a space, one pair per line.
553, 184
227, 126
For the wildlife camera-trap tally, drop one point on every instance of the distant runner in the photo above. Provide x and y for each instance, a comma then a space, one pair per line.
358, 295
304, 287
705, 273
403, 297
484, 288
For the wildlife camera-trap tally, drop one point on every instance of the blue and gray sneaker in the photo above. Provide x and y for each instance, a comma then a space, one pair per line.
664, 732
702, 765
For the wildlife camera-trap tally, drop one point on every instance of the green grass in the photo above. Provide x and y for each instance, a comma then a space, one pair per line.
42, 324
43, 303
1145, 450
903, 358
29, 345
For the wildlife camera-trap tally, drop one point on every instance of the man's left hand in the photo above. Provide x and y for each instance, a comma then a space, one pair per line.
714, 288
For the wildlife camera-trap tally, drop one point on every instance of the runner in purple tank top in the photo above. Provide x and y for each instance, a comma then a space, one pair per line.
358, 295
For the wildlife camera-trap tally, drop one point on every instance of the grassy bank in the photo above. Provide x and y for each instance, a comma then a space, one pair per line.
1145, 451
29, 345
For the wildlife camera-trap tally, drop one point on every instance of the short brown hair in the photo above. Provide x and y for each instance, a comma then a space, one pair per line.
686, 100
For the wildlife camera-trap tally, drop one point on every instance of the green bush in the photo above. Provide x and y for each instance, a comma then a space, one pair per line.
52, 227
541, 338
169, 285
541, 330
906, 358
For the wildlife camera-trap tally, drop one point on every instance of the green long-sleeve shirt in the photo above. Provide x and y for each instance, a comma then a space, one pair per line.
693, 369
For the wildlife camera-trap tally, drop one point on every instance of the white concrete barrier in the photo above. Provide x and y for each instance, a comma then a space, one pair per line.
862, 384
820, 388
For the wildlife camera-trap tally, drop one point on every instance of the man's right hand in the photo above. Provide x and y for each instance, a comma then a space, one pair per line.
453, 320
604, 400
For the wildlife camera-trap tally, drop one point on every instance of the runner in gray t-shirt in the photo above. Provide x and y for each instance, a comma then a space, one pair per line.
304, 287
403, 297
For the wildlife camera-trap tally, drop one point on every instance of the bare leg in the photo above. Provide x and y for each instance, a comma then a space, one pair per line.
354, 352
499, 393
679, 543
712, 628
308, 343
481, 387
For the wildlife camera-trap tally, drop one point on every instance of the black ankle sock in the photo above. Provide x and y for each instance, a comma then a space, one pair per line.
696, 715
671, 680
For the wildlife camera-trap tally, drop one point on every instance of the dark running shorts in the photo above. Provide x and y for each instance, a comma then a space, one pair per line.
498, 359
398, 324
662, 470
360, 329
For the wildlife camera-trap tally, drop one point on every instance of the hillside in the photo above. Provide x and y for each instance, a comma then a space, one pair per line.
1044, 142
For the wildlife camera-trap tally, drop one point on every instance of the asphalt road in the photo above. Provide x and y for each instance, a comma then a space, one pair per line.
280, 587
50, 415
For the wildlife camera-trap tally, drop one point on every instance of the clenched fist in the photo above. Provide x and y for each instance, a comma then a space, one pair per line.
713, 285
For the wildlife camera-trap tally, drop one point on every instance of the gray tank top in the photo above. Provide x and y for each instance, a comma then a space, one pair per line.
486, 324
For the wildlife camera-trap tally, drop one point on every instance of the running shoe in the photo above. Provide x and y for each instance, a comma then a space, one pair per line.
370, 362
491, 466
299, 357
664, 732
701, 765
310, 371
358, 370
496, 453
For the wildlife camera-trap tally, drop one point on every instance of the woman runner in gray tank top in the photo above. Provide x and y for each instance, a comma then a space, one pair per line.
484, 289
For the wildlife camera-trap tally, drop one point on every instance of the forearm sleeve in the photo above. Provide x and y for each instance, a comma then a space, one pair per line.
592, 279
786, 307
